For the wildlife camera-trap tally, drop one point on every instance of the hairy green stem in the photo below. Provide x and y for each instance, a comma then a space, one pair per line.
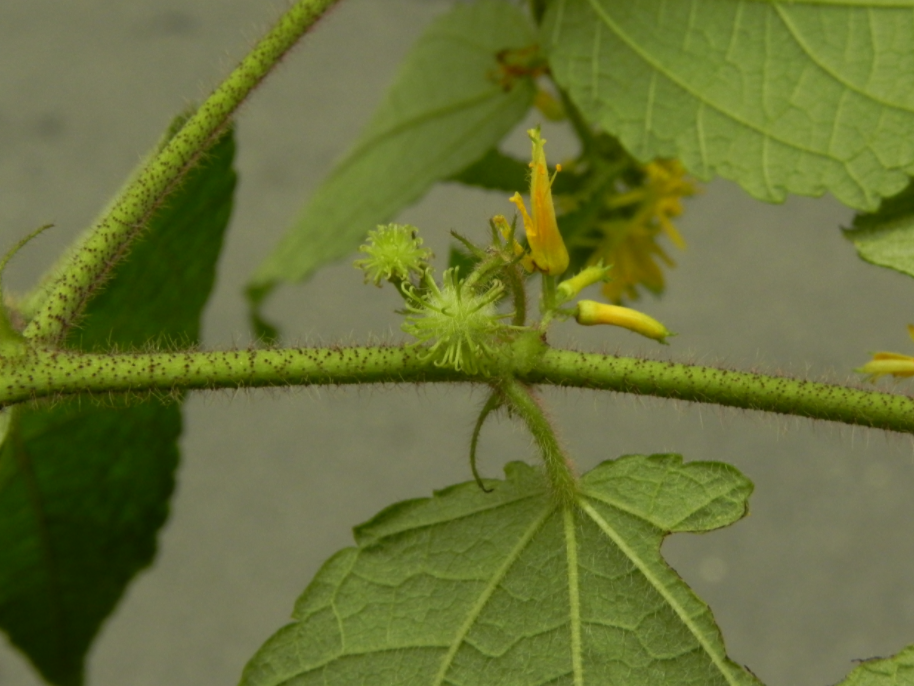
747, 390
521, 399
40, 373
109, 239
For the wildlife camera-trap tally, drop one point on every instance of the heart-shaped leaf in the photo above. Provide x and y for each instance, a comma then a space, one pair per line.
510, 587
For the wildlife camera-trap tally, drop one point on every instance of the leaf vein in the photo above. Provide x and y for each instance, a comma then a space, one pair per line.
685, 86
804, 45
487, 592
652, 579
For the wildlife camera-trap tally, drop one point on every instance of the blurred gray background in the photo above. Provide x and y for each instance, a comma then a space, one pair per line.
821, 573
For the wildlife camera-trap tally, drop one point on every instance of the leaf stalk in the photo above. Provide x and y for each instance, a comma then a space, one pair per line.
522, 400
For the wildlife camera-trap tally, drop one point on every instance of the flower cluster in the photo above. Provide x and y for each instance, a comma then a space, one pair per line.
456, 322
549, 255
634, 221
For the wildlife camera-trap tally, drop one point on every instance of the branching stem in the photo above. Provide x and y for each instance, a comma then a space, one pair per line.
109, 239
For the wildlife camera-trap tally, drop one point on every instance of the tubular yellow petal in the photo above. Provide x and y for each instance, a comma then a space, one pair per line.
526, 260
507, 232
590, 313
528, 222
892, 356
548, 253
881, 367
547, 248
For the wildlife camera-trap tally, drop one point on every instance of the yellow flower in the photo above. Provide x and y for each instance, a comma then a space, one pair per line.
630, 243
547, 249
590, 313
896, 364
660, 197
634, 252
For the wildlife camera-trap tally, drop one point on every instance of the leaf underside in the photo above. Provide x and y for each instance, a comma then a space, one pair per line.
445, 110
893, 671
509, 588
886, 237
782, 97
84, 489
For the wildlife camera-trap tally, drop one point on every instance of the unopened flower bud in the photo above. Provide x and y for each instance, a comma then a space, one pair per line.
591, 313
588, 276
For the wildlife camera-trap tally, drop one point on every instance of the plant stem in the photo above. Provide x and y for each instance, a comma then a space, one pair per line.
109, 239
548, 297
748, 390
46, 373
521, 399
43, 373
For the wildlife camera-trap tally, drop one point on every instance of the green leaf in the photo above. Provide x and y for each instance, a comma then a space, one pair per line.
445, 109
510, 588
496, 171
83, 488
892, 671
886, 237
782, 97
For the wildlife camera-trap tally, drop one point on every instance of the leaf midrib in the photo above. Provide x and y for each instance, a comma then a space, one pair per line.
36, 500
424, 117
614, 536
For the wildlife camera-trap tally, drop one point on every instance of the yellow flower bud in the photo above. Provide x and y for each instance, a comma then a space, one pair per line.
883, 363
588, 276
888, 363
548, 253
507, 232
590, 313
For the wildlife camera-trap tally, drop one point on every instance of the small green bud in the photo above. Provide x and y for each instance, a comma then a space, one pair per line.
394, 251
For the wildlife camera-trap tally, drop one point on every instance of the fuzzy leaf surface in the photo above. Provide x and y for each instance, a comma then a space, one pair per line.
84, 489
782, 97
445, 110
897, 670
886, 237
510, 588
